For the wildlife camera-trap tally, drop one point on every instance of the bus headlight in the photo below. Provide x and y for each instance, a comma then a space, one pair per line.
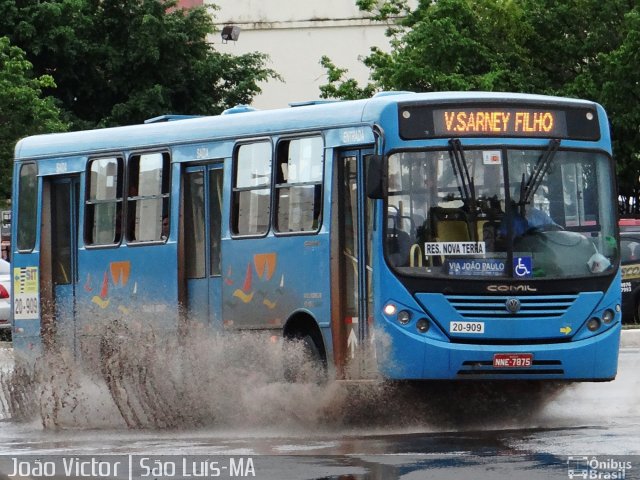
607, 316
404, 317
593, 324
390, 309
422, 325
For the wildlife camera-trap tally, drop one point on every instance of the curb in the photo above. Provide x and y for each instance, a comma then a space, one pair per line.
630, 338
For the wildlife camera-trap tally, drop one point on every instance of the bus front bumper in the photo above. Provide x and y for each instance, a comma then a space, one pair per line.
411, 357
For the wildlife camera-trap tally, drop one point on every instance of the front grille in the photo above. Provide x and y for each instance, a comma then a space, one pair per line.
509, 341
535, 306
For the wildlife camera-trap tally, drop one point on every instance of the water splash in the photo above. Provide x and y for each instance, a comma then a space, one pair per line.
141, 379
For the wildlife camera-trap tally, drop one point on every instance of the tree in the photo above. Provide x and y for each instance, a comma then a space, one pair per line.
23, 109
449, 45
121, 61
619, 87
576, 48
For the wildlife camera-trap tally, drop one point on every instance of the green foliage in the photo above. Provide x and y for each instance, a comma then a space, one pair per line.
385, 10
455, 45
578, 48
23, 109
451, 45
619, 85
119, 62
347, 89
111, 62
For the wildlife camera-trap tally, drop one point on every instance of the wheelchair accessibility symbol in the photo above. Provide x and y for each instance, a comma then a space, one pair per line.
522, 267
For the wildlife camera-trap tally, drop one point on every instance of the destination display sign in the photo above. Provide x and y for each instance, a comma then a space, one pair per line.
427, 121
506, 121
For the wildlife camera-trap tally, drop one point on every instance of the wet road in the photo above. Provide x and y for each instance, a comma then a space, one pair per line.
584, 421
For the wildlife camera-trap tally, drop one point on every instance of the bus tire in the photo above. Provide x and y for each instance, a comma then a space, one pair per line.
308, 364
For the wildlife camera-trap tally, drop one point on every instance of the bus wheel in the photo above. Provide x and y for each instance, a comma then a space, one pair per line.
304, 362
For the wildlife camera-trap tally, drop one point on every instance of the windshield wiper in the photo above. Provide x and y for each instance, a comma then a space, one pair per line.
461, 171
539, 171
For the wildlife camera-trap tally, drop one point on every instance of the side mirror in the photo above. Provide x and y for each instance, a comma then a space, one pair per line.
377, 180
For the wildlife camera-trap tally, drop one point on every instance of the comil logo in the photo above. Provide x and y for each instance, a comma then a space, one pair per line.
511, 288
595, 468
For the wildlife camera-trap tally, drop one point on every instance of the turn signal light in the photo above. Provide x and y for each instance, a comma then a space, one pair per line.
404, 317
423, 325
607, 316
593, 324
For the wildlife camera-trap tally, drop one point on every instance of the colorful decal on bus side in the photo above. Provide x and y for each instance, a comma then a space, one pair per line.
264, 265
120, 272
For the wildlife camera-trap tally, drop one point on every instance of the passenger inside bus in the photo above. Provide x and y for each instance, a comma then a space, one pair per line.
165, 227
533, 219
399, 239
540, 220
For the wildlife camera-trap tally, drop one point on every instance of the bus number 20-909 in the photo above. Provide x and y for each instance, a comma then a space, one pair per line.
26, 306
466, 327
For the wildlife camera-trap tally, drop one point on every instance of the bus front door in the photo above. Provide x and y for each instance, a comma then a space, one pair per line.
202, 220
352, 275
59, 259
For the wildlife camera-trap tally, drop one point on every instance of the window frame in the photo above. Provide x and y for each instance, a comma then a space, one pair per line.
505, 147
164, 196
21, 208
119, 202
233, 207
277, 186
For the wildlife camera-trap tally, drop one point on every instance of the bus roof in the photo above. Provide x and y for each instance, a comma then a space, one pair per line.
252, 123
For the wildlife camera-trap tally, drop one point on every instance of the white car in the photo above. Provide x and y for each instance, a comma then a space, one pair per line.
5, 300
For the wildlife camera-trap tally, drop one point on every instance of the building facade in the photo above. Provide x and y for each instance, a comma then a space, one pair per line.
296, 35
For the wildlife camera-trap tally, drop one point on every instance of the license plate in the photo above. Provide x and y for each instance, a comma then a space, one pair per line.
466, 327
512, 360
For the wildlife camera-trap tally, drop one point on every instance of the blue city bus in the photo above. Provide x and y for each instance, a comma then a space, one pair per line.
437, 236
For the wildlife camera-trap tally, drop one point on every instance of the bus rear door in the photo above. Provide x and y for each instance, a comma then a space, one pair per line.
59, 258
202, 221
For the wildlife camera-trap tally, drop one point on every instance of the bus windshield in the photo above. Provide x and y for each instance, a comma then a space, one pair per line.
500, 212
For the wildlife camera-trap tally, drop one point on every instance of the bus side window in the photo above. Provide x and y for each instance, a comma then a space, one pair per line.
252, 189
104, 202
27, 207
148, 197
299, 184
